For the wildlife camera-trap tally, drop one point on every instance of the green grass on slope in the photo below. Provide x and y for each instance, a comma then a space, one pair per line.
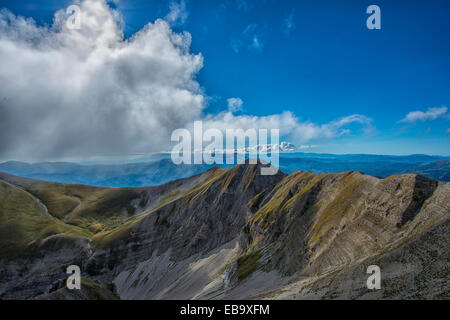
23, 220
55, 197
283, 198
107, 239
95, 208
107, 207
247, 264
343, 204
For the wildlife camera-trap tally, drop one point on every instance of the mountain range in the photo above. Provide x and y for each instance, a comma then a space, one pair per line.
160, 169
227, 234
262, 148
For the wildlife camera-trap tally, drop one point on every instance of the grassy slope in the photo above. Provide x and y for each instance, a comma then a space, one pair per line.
300, 185
105, 212
23, 220
94, 208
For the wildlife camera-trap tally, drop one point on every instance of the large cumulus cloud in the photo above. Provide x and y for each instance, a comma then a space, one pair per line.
70, 92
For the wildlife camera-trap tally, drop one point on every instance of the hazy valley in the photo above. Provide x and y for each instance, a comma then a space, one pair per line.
158, 168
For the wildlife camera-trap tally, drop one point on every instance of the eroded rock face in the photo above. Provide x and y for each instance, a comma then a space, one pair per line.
237, 234
319, 223
41, 265
90, 290
417, 270
213, 213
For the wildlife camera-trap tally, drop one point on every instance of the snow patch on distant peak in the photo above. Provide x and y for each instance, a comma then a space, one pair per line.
263, 148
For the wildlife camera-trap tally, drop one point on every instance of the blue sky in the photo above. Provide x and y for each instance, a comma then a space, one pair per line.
318, 60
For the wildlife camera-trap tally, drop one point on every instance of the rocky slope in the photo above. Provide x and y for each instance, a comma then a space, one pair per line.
228, 234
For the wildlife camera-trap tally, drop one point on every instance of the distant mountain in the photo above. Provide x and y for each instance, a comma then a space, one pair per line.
263, 148
268, 148
228, 234
162, 170
439, 170
117, 175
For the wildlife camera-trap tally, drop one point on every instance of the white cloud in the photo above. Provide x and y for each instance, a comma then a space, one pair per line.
236, 45
256, 43
429, 115
76, 92
178, 13
252, 37
289, 125
288, 24
244, 5
448, 130
234, 104
303, 147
